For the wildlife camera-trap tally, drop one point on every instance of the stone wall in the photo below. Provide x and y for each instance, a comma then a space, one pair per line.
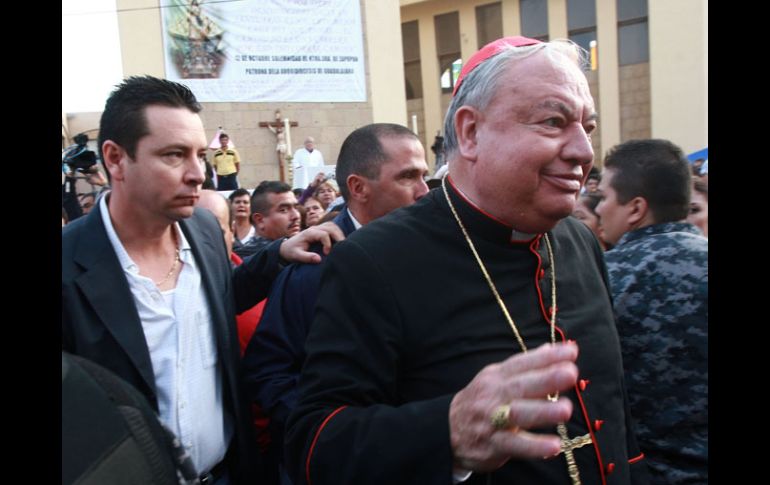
635, 121
328, 123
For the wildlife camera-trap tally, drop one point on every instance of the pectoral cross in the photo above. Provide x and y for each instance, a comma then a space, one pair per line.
567, 445
285, 125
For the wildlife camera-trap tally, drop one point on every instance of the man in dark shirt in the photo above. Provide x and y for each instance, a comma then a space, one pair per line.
659, 278
274, 214
382, 166
484, 382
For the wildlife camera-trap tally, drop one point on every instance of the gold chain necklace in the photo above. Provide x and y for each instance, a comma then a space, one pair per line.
174, 264
567, 444
170, 272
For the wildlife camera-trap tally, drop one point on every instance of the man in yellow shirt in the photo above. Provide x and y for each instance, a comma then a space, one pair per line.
227, 164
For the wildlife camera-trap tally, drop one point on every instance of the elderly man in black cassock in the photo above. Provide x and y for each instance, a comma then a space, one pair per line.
512, 373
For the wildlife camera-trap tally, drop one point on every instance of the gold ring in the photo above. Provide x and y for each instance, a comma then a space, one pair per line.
500, 417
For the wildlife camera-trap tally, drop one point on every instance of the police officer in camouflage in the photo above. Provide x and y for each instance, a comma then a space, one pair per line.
659, 280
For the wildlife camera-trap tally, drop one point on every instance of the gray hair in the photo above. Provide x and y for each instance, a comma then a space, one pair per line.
480, 85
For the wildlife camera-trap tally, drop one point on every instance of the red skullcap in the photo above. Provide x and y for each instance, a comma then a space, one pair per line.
489, 50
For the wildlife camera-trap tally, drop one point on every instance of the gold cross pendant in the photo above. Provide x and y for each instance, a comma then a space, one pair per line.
567, 445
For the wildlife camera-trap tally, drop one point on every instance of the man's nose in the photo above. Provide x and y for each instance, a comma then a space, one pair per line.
420, 189
195, 173
578, 148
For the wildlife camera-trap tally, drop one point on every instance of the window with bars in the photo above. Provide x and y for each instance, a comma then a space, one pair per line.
633, 32
581, 24
448, 49
410, 40
489, 23
534, 19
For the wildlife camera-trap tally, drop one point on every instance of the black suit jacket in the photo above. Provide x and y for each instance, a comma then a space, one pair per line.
100, 321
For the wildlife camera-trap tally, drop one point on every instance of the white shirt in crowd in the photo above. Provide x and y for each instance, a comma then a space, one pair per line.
179, 332
306, 165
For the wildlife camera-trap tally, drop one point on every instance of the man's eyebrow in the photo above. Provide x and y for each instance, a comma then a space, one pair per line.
556, 105
565, 110
410, 172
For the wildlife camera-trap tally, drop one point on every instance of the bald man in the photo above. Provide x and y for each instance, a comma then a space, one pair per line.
307, 162
211, 200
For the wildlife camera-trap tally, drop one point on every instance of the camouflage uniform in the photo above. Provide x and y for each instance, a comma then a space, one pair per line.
659, 281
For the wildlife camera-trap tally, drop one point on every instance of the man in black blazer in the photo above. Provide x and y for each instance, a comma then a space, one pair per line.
147, 288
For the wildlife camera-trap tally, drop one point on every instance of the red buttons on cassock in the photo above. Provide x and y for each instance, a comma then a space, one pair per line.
598, 424
610, 468
583, 384
541, 274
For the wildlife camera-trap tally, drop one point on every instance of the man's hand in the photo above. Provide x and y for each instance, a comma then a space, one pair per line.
295, 249
318, 180
522, 382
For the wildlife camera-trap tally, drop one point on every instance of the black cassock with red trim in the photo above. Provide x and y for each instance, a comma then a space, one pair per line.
405, 319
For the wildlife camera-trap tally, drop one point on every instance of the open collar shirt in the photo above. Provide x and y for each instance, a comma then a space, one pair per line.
180, 338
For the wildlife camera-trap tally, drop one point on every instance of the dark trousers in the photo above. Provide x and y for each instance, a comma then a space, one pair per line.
227, 182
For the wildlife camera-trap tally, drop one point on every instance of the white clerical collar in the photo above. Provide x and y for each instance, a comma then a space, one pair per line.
518, 236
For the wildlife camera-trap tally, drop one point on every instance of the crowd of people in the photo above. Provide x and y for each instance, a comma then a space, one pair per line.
526, 319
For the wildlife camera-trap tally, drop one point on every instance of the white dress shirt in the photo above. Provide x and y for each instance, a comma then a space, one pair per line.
179, 333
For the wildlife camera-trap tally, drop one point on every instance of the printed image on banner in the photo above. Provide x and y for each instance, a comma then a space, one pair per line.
266, 50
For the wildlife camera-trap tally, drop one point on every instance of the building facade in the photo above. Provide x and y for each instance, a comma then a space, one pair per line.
649, 75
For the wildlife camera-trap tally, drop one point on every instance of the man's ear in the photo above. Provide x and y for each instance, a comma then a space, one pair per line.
359, 188
257, 220
466, 126
114, 158
639, 211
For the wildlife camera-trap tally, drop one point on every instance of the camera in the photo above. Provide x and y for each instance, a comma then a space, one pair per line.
78, 156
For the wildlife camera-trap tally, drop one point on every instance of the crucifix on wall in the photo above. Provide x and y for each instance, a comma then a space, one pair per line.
281, 128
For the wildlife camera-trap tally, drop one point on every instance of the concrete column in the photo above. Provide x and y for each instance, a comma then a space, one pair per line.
386, 72
609, 82
511, 18
469, 38
679, 72
431, 85
141, 42
557, 19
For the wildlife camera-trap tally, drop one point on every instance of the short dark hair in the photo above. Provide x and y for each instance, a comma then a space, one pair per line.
237, 193
223, 135
362, 153
124, 121
656, 170
259, 202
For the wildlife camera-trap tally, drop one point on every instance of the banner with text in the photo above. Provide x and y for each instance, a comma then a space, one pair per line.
266, 50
